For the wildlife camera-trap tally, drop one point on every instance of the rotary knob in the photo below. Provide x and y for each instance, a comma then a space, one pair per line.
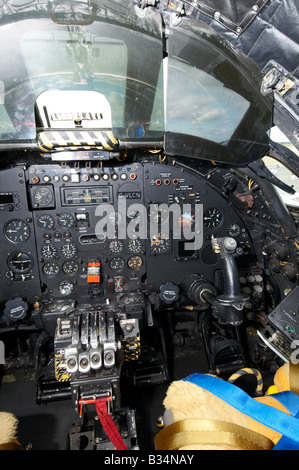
169, 293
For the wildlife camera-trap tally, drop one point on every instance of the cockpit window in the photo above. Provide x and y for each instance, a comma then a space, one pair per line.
203, 99
199, 104
214, 108
115, 55
69, 60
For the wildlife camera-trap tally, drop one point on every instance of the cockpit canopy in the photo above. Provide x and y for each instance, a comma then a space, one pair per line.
183, 86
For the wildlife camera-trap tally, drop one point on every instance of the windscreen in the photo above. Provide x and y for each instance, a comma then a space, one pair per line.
198, 94
116, 54
199, 104
214, 109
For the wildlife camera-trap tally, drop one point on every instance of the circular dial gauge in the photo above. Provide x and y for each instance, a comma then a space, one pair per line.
66, 220
17, 231
49, 251
158, 216
45, 222
159, 244
116, 263
69, 250
212, 217
134, 245
234, 230
120, 283
42, 197
116, 246
19, 262
114, 218
135, 262
133, 215
70, 267
66, 288
51, 269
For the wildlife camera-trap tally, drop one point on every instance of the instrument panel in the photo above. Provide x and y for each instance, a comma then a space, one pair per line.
55, 246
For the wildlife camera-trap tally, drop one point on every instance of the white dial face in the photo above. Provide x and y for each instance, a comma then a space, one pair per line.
66, 288
49, 251
134, 245
69, 250
116, 246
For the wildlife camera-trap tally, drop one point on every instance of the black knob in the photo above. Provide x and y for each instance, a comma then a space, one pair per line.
16, 309
169, 293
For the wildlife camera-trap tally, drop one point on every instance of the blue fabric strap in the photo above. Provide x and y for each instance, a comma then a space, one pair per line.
291, 402
275, 419
286, 444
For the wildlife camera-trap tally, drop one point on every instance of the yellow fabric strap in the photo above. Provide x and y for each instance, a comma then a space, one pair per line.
294, 378
197, 432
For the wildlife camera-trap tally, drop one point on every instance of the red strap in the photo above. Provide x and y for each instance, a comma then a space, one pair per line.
109, 425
